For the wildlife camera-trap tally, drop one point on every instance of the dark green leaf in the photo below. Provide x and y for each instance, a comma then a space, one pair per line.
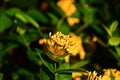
5, 23
27, 74
45, 74
39, 16
12, 11
89, 15
70, 71
33, 56
46, 61
54, 18
76, 14
65, 76
56, 8
65, 29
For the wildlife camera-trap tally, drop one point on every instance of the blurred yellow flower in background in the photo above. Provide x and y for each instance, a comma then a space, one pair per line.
69, 8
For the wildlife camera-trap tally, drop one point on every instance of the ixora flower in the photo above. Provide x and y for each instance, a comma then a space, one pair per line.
107, 75
58, 45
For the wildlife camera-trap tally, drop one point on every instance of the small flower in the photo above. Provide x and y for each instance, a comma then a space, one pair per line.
59, 44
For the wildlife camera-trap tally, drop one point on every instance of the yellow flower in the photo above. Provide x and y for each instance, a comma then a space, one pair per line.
59, 44
69, 9
77, 48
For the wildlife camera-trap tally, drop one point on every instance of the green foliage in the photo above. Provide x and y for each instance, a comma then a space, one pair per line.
23, 23
1, 76
5, 22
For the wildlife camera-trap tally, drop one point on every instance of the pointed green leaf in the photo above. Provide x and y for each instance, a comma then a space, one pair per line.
46, 61
113, 27
112, 76
79, 64
118, 50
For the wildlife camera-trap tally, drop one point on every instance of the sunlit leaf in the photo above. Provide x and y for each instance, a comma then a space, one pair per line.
113, 27
79, 64
114, 41
21, 17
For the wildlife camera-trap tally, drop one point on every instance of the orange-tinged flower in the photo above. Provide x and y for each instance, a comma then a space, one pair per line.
77, 48
73, 20
69, 9
59, 44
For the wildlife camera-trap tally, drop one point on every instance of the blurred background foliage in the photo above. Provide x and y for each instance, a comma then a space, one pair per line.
24, 22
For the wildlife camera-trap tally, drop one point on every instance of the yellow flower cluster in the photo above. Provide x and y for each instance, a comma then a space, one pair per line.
106, 75
59, 44
93, 75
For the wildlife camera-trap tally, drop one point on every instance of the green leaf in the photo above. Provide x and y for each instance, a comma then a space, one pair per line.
27, 74
65, 71
56, 9
45, 74
112, 76
54, 18
21, 17
12, 11
64, 66
113, 27
76, 14
33, 57
63, 75
25, 18
89, 15
5, 23
46, 61
118, 50
32, 21
79, 64
1, 76
114, 41
39, 16
64, 28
